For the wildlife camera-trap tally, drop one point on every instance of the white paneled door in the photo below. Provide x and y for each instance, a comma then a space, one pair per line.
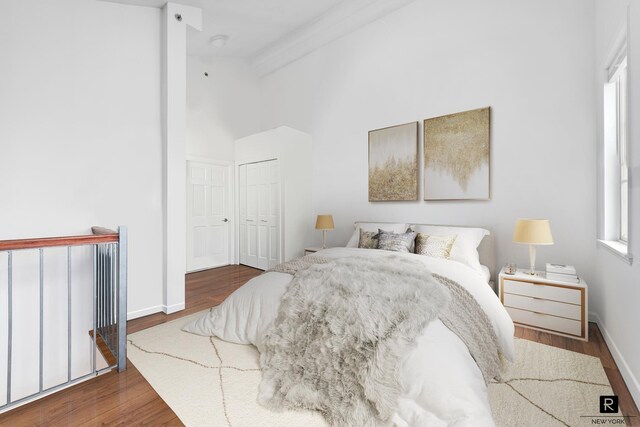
259, 193
207, 215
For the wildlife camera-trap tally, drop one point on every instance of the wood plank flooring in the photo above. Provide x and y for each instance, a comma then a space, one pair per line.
127, 399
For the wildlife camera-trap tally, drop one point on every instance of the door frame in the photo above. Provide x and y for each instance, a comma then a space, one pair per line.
231, 203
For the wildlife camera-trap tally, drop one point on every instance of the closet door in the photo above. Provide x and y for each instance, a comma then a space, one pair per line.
248, 216
263, 209
259, 217
268, 214
273, 214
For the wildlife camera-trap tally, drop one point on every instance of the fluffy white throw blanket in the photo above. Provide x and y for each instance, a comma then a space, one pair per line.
342, 330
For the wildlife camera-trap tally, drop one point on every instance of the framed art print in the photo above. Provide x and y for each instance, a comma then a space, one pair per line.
457, 156
393, 163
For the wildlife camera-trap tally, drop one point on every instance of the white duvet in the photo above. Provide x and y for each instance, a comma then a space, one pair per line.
442, 385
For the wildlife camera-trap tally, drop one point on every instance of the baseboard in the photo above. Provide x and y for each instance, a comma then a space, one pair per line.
144, 312
629, 378
155, 309
168, 309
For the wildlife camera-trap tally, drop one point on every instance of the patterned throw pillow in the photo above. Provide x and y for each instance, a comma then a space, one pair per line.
396, 242
368, 239
435, 246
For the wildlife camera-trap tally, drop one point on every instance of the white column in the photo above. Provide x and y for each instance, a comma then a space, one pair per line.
175, 17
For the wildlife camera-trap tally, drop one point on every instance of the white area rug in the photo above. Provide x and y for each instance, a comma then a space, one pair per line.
548, 386
208, 382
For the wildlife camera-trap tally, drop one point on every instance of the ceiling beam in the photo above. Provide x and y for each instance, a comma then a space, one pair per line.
343, 19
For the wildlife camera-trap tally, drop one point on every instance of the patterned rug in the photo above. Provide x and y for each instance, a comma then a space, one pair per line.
208, 382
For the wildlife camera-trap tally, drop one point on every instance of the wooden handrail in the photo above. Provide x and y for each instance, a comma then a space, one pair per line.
46, 242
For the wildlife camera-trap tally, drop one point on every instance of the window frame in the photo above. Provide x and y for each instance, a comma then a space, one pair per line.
615, 154
620, 80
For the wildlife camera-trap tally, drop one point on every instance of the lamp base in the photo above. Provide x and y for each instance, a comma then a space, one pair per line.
532, 259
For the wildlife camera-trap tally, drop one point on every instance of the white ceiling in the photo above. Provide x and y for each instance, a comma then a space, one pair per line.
251, 25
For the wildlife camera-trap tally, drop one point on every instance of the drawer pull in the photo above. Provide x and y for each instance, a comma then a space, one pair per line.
537, 312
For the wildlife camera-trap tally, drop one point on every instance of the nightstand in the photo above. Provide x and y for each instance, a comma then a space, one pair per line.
553, 306
312, 250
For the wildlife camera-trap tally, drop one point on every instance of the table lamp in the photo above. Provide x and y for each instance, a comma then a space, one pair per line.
324, 223
533, 232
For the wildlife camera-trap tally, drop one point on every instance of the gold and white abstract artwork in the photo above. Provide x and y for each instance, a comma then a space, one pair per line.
457, 156
393, 163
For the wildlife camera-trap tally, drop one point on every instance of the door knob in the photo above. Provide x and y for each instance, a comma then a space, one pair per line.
225, 220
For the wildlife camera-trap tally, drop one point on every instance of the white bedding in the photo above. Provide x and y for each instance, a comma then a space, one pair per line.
442, 383
486, 273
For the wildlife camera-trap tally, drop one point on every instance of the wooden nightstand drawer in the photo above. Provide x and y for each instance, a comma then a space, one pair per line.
549, 292
545, 321
549, 305
544, 306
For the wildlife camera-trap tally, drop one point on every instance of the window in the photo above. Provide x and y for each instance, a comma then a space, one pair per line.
620, 79
616, 172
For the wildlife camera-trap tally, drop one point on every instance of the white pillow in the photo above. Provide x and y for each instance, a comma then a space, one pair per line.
374, 226
465, 248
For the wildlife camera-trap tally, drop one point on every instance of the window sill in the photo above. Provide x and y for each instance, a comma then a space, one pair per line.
617, 248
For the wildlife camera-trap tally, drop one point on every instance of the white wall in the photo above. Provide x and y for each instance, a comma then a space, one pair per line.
531, 61
616, 294
222, 107
80, 133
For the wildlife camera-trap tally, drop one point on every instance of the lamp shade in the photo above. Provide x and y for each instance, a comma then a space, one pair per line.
533, 231
324, 222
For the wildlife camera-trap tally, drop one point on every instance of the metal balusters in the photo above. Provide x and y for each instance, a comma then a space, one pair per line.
41, 360
112, 317
68, 313
107, 304
122, 299
9, 322
105, 288
105, 285
108, 285
95, 305
100, 293
100, 290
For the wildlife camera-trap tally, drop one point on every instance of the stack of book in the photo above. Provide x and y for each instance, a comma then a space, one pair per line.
562, 272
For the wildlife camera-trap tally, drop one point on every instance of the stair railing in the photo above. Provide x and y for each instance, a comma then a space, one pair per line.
109, 300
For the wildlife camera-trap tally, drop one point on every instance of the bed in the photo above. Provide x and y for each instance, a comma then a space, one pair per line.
441, 383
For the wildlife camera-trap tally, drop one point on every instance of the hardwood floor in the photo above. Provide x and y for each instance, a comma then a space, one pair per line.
128, 399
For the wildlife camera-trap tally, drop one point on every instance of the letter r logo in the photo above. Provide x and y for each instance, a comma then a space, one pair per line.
608, 404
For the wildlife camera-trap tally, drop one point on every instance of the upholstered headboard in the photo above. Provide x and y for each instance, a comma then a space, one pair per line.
486, 250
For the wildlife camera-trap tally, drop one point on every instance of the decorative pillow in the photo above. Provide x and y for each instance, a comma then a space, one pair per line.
368, 239
435, 246
396, 242
373, 226
465, 248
